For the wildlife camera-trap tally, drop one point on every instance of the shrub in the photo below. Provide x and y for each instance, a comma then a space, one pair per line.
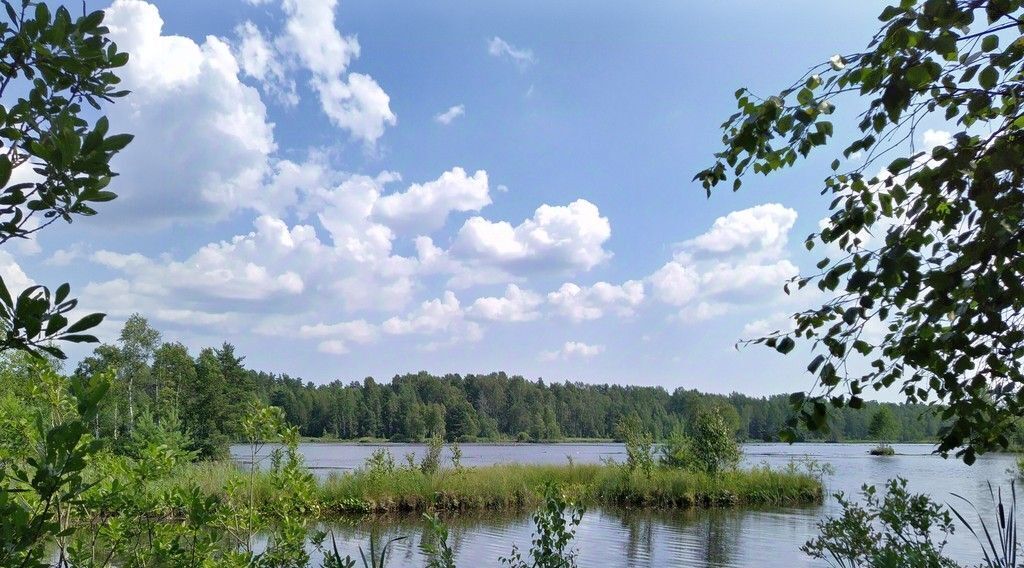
714, 447
380, 463
677, 451
556, 523
639, 445
431, 462
882, 449
894, 529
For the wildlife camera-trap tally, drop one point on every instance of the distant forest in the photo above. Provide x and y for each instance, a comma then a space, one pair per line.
205, 397
498, 405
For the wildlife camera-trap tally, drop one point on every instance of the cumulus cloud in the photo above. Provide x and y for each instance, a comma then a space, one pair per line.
762, 230
177, 169
556, 239
675, 283
14, 277
517, 305
502, 49
354, 102
260, 59
573, 349
443, 316
425, 207
580, 303
740, 260
451, 114
256, 266
335, 338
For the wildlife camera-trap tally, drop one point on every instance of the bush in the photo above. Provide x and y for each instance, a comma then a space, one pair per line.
380, 463
882, 449
639, 445
431, 461
895, 529
677, 451
556, 523
713, 445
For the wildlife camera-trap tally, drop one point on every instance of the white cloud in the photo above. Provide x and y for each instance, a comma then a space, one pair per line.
500, 48
356, 102
740, 260
202, 167
589, 303
14, 277
763, 229
557, 238
440, 316
425, 207
517, 305
675, 283
336, 338
573, 349
933, 138
259, 59
779, 321
249, 267
451, 114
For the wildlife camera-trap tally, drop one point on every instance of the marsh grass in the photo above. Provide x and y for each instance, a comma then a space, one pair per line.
520, 487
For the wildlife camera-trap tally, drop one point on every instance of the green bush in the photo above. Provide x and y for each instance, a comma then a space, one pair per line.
897, 528
677, 450
713, 445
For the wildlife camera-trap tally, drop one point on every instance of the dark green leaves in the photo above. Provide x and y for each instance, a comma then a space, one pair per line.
928, 295
51, 65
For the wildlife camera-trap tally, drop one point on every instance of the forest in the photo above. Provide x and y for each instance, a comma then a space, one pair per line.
206, 394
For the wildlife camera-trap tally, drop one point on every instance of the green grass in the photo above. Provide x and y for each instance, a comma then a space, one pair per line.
517, 486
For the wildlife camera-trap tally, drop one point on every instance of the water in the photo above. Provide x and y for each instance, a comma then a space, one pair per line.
731, 537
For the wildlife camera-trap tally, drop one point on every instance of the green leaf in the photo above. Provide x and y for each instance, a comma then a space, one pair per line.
786, 344
989, 43
988, 77
88, 322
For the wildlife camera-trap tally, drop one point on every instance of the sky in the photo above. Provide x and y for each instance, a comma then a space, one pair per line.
356, 188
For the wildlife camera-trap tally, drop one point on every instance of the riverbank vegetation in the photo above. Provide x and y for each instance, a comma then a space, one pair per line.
206, 395
520, 486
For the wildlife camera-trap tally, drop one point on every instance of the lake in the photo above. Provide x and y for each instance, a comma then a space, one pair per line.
725, 537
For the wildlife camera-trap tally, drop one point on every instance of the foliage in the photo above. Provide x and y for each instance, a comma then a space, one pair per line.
895, 529
430, 463
33, 494
333, 559
1000, 552
52, 63
882, 449
434, 544
167, 432
555, 523
931, 246
714, 448
677, 450
380, 463
883, 425
456, 456
639, 445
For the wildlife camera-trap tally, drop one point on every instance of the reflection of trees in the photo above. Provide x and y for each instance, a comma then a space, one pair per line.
639, 545
693, 537
474, 537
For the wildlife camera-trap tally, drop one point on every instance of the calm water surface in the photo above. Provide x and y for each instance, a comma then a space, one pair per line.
610, 538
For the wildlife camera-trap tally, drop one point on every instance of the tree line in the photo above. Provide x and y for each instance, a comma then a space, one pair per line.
206, 396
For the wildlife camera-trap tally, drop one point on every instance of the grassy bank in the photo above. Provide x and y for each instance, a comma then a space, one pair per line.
517, 486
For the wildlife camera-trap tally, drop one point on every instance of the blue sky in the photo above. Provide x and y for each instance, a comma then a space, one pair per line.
375, 187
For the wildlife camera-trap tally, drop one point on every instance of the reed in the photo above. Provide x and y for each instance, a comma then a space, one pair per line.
520, 486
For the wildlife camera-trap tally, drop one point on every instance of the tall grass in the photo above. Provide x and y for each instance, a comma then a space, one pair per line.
518, 486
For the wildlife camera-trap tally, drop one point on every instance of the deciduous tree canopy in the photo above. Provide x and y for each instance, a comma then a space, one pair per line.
932, 244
